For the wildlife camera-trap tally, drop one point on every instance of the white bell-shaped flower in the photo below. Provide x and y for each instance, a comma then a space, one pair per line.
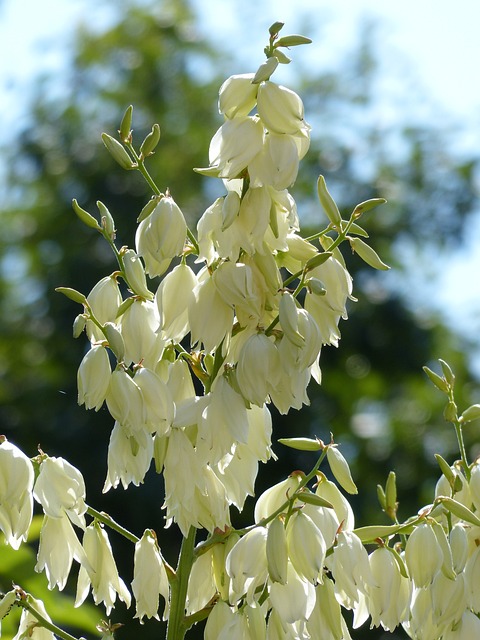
125, 400
16, 501
237, 95
29, 627
93, 377
157, 401
58, 547
246, 563
306, 547
104, 300
258, 368
294, 600
277, 163
235, 144
161, 236
60, 489
149, 577
173, 297
389, 597
423, 555
139, 327
101, 572
209, 316
280, 109
129, 457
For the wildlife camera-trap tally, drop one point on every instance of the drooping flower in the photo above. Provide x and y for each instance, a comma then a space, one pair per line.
16, 501
149, 578
101, 572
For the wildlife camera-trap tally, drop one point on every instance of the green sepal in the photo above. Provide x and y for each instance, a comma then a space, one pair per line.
437, 380
85, 217
328, 203
73, 294
313, 498
317, 260
275, 28
126, 125
292, 41
367, 205
302, 444
367, 254
118, 152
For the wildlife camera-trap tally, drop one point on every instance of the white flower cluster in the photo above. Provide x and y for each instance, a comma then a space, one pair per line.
291, 577
232, 321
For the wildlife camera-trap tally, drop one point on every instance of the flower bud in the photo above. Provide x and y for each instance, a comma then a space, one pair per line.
277, 551
423, 555
125, 401
459, 546
161, 236
288, 314
265, 70
328, 203
237, 96
104, 300
340, 469
93, 378
118, 152
151, 141
135, 274
173, 297
306, 547
115, 340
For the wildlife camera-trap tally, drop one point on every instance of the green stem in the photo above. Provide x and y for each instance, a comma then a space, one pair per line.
110, 522
43, 622
461, 446
177, 626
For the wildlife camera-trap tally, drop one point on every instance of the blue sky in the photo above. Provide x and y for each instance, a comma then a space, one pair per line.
434, 42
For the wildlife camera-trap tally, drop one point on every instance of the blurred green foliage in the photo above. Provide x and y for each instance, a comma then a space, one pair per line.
374, 398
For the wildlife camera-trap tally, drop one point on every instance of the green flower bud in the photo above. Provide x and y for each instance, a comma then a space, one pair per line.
275, 28
135, 274
340, 469
73, 294
472, 413
302, 444
149, 144
115, 340
79, 325
160, 444
316, 287
108, 222
84, 216
362, 207
367, 254
328, 203
391, 495
126, 125
118, 152
437, 380
277, 551
450, 412
292, 41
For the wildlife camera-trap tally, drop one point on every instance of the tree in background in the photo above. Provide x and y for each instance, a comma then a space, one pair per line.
161, 67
